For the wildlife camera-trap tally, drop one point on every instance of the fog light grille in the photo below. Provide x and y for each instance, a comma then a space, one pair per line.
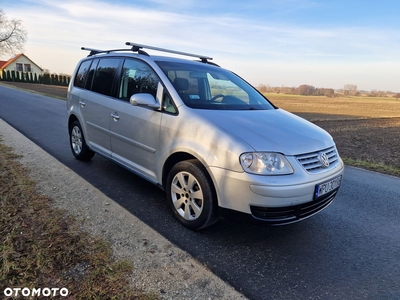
291, 214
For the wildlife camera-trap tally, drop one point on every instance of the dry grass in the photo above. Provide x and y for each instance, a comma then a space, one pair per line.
41, 246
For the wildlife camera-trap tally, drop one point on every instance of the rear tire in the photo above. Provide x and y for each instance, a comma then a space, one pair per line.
78, 144
191, 195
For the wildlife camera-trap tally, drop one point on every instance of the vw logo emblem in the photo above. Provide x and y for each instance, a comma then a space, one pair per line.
323, 158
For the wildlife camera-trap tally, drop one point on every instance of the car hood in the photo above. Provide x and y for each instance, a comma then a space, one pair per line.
271, 130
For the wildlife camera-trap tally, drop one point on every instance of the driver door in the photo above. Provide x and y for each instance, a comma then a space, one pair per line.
135, 130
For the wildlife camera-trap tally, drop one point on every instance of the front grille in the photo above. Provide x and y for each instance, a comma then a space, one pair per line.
291, 214
313, 165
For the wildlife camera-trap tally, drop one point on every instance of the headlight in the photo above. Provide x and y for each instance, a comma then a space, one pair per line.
265, 163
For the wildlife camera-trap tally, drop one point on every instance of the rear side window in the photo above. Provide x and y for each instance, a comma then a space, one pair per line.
104, 76
80, 76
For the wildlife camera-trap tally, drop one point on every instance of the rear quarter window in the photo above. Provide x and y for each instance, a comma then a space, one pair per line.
81, 74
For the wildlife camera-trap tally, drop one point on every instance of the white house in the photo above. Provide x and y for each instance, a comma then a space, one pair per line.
20, 63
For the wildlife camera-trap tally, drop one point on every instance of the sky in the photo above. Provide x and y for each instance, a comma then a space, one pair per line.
323, 43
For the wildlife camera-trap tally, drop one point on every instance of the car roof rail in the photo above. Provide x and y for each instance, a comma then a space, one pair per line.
138, 47
97, 51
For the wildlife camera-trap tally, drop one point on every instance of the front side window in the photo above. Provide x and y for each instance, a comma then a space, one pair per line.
103, 79
204, 86
168, 105
137, 77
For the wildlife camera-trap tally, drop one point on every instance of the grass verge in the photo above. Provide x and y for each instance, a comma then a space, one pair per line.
42, 246
381, 168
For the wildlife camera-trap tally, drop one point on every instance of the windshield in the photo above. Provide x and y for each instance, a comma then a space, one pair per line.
210, 87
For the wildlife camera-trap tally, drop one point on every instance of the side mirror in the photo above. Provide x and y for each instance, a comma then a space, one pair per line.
144, 99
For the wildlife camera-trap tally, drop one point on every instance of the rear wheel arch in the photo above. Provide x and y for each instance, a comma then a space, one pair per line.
72, 119
77, 140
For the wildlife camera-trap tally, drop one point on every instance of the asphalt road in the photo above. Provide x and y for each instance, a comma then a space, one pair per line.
351, 250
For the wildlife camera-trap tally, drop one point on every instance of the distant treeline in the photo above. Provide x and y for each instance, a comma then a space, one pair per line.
306, 90
45, 78
309, 90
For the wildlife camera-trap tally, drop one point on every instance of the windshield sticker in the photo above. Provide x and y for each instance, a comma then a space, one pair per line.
194, 97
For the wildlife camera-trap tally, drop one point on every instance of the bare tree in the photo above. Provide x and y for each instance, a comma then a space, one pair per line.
12, 35
350, 89
305, 89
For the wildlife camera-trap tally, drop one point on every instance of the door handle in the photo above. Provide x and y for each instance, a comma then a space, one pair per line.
115, 116
82, 103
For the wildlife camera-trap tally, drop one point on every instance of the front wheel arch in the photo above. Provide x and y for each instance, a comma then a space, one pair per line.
172, 161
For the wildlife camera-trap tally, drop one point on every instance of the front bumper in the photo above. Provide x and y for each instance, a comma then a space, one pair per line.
291, 214
272, 199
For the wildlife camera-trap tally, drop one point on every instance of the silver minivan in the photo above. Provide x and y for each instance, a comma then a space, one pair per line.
216, 145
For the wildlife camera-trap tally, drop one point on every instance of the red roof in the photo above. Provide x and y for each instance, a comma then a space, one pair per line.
4, 64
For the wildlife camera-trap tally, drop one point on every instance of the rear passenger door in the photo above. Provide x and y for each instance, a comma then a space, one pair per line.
135, 130
98, 99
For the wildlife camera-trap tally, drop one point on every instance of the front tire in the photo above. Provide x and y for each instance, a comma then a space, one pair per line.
77, 142
191, 195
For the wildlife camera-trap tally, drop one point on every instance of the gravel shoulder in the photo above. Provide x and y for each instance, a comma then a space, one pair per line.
159, 266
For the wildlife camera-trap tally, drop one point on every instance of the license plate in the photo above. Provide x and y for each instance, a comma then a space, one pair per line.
326, 187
